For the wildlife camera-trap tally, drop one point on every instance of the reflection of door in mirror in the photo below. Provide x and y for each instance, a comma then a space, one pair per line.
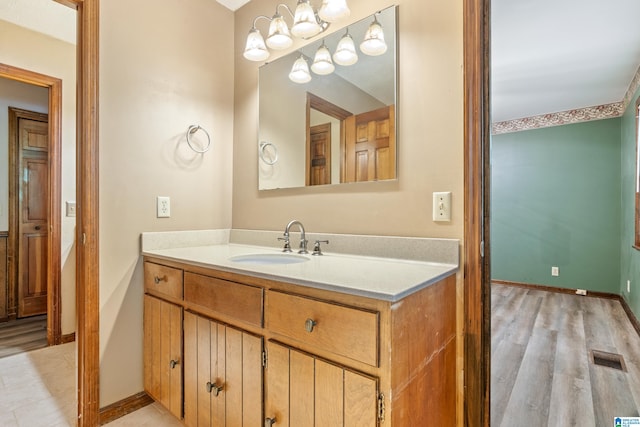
370, 146
320, 155
325, 140
367, 143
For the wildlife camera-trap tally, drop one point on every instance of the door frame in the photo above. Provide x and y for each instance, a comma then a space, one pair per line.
54, 160
477, 299
87, 198
54, 86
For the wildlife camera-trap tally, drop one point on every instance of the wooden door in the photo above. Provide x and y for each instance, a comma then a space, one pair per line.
162, 353
319, 172
32, 175
302, 390
222, 375
370, 146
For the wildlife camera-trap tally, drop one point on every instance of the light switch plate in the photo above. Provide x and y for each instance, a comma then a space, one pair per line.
163, 206
442, 206
71, 208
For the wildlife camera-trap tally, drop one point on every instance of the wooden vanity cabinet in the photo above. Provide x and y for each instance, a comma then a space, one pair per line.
223, 374
304, 390
261, 352
163, 353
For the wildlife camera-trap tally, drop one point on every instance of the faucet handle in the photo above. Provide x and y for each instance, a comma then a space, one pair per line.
316, 247
287, 245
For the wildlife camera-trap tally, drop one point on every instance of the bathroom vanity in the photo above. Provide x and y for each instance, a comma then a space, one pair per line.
335, 340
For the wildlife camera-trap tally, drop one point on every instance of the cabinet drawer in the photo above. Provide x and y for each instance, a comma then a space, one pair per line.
162, 279
347, 331
243, 302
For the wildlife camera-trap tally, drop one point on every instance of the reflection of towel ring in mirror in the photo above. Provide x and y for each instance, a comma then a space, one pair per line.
193, 129
263, 154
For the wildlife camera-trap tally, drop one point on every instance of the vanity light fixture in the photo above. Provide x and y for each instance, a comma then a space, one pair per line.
322, 63
333, 10
345, 53
307, 23
255, 49
279, 36
300, 71
373, 43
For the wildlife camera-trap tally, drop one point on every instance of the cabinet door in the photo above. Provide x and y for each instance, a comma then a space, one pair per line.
163, 353
223, 375
302, 390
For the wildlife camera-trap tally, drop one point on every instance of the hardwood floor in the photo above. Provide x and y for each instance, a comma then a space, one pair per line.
22, 335
542, 372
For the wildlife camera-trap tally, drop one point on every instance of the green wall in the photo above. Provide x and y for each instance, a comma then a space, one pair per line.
630, 257
556, 201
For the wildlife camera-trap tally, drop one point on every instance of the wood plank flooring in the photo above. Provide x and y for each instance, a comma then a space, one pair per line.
22, 335
541, 368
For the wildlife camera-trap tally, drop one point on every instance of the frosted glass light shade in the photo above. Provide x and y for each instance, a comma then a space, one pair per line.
345, 53
300, 71
322, 63
255, 49
279, 35
305, 24
373, 43
333, 10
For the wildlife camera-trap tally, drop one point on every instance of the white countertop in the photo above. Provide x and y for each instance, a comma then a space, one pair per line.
375, 277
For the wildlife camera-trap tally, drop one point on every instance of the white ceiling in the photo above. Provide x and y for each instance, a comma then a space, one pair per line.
555, 55
44, 16
233, 4
546, 55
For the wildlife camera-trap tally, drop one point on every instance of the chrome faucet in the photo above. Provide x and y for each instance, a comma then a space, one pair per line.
303, 238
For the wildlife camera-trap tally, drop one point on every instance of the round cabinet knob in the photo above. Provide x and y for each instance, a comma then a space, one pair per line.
173, 363
158, 279
268, 422
309, 325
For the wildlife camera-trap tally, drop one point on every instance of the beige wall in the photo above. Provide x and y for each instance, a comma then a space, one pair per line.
36, 52
430, 143
164, 65
430, 136
165, 68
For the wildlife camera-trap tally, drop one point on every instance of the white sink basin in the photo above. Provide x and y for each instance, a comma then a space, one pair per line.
269, 259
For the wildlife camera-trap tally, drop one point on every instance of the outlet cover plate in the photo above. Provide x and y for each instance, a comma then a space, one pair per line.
163, 206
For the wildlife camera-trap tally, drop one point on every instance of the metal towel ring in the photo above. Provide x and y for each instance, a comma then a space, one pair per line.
261, 152
193, 129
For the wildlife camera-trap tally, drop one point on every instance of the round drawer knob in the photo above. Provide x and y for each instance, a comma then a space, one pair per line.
309, 325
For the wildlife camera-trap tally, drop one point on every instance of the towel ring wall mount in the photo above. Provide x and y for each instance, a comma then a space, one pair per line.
193, 129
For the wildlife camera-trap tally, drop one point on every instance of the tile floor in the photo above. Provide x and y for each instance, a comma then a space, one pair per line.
37, 389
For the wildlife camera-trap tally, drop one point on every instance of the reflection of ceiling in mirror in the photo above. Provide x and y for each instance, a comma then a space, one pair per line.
379, 68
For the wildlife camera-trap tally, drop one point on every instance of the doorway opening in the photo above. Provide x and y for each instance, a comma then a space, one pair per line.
33, 247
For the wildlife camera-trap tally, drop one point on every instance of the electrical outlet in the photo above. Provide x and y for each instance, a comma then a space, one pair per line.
628, 286
582, 292
163, 206
555, 271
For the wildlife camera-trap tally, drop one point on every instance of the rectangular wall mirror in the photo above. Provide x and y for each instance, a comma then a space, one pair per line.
336, 128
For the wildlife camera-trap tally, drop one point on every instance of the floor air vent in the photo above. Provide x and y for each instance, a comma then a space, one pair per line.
609, 360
